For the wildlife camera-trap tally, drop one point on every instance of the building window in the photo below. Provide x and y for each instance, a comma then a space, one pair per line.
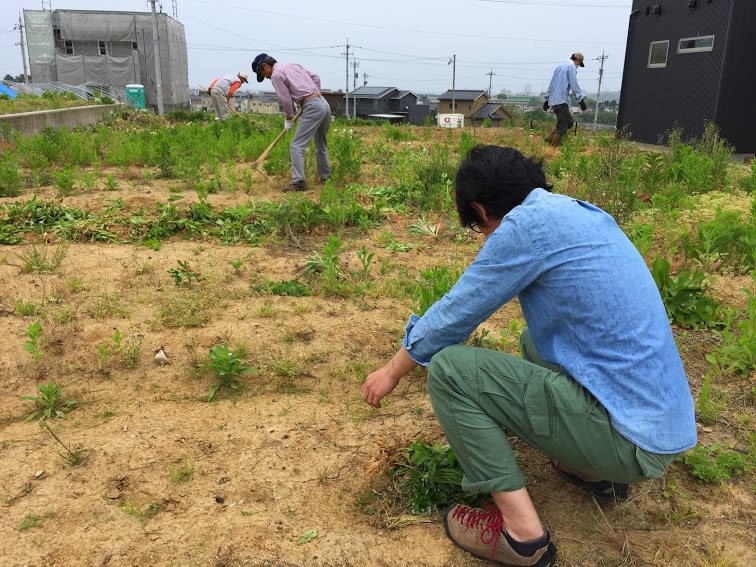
133, 45
103, 48
657, 54
68, 46
695, 44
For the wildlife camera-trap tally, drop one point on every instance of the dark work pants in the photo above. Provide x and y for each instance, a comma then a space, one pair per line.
564, 118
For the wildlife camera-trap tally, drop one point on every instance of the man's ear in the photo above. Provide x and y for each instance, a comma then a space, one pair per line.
481, 212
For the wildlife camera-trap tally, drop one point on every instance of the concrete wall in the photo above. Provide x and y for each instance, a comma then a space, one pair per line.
30, 123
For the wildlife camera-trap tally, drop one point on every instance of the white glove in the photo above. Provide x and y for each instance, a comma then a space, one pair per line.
289, 125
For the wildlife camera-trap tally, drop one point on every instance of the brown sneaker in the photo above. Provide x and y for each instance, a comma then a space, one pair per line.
298, 186
478, 532
601, 490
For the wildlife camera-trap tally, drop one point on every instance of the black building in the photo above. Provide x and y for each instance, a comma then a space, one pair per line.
689, 62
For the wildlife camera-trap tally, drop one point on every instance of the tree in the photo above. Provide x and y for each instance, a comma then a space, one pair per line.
8, 77
501, 96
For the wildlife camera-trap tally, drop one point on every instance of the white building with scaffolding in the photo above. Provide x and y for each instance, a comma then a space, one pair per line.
112, 49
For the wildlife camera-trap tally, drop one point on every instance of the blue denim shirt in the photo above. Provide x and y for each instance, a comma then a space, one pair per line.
591, 306
563, 79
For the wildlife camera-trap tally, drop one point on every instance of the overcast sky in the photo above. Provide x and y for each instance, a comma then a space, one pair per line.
398, 44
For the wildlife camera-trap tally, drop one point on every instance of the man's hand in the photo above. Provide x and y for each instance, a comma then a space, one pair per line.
545, 105
583, 106
377, 386
289, 125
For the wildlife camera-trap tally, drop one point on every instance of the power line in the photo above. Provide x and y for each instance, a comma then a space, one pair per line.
410, 30
560, 4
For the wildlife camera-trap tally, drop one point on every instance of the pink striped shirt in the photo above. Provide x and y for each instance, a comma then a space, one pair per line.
293, 83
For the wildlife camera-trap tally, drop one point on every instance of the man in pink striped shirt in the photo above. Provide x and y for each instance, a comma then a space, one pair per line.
295, 84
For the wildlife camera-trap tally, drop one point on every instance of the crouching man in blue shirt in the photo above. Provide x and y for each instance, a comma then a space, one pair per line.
600, 387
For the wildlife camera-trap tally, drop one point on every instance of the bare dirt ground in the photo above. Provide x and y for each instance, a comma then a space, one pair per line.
288, 453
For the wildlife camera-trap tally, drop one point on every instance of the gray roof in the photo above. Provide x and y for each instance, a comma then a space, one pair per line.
461, 95
402, 94
488, 109
372, 92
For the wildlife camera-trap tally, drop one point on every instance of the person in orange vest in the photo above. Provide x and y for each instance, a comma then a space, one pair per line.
222, 89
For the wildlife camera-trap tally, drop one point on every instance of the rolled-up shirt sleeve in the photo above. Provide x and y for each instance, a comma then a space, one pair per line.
506, 265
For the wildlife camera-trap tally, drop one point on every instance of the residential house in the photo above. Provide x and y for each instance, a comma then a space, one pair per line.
475, 105
382, 103
688, 64
115, 49
258, 103
336, 101
494, 110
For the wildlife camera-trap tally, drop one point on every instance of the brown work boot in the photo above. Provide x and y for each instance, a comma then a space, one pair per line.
478, 532
548, 137
601, 490
556, 140
298, 186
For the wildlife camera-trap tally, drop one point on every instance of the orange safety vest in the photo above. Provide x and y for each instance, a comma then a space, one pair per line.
234, 86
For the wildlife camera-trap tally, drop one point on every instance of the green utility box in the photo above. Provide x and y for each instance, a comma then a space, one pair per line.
135, 95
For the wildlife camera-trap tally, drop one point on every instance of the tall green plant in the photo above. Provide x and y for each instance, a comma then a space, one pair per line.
436, 282
684, 297
227, 366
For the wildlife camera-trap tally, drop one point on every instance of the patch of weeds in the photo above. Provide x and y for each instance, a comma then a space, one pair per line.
107, 305
35, 343
36, 260
737, 354
684, 297
715, 464
303, 334
267, 310
30, 521
27, 307
133, 508
64, 180
187, 307
436, 283
227, 366
128, 347
365, 258
71, 457
182, 472
76, 285
292, 288
711, 402
673, 490
51, 404
111, 184
184, 274
428, 477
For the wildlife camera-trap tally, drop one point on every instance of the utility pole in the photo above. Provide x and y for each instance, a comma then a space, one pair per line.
355, 64
346, 89
490, 80
598, 94
156, 49
453, 62
175, 10
364, 79
48, 4
23, 47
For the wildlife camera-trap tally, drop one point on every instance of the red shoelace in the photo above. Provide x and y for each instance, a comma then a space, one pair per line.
488, 520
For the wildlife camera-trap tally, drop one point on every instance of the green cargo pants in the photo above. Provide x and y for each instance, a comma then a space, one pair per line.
477, 393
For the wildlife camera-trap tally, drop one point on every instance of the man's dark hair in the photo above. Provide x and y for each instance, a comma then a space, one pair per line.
497, 178
268, 61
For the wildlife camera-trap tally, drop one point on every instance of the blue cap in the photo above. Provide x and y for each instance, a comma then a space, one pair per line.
256, 66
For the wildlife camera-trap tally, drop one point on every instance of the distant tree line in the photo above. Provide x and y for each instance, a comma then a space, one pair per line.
16, 79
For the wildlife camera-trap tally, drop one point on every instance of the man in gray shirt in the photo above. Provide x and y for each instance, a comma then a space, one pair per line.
295, 84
